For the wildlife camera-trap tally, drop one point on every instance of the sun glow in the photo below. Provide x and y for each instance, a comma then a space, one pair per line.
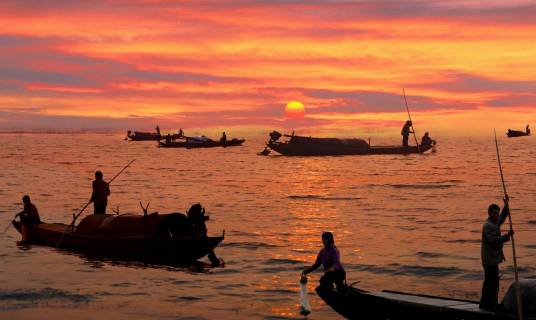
294, 109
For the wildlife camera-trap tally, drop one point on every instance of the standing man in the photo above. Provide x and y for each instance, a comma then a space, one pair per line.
101, 191
492, 253
406, 130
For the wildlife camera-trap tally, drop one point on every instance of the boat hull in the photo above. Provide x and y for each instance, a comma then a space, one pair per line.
183, 249
358, 304
208, 144
514, 134
302, 149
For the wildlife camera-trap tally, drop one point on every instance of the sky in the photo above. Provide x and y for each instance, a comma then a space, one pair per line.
465, 66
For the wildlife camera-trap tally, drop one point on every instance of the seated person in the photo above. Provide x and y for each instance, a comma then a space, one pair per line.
426, 140
29, 215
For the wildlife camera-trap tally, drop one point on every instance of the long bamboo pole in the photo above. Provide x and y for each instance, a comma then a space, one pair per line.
518, 288
409, 117
71, 226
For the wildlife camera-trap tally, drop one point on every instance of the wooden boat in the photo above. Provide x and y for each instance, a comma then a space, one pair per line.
309, 146
359, 304
195, 143
516, 133
163, 237
144, 136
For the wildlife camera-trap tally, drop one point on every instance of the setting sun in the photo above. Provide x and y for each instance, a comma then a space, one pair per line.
294, 109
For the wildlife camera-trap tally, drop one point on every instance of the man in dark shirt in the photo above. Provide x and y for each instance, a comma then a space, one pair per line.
101, 191
406, 130
492, 253
29, 215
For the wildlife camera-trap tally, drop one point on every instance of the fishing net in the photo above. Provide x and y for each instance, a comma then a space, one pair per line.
305, 308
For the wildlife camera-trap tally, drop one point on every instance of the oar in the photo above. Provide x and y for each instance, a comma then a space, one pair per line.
409, 116
71, 226
518, 288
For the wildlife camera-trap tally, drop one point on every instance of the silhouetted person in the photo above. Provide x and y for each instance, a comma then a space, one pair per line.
181, 133
223, 138
527, 130
329, 257
426, 140
406, 130
492, 254
158, 130
197, 218
29, 215
101, 191
168, 138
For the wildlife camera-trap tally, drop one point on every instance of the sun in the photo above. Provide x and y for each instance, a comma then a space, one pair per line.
294, 109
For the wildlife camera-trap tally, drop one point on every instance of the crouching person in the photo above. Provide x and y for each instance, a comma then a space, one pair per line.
329, 257
197, 218
28, 217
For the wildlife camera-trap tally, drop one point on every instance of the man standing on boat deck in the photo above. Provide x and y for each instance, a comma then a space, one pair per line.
406, 130
492, 253
101, 191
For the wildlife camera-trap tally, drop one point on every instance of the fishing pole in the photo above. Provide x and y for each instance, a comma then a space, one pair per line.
518, 288
409, 117
71, 226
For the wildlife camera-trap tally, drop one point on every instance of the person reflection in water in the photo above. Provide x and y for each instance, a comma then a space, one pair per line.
329, 257
492, 253
101, 191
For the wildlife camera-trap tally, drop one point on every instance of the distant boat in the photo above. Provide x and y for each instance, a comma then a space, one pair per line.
143, 136
517, 133
200, 142
309, 146
355, 304
156, 236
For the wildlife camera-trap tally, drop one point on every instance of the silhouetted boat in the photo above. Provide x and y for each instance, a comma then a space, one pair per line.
190, 142
165, 237
516, 133
144, 136
358, 304
309, 146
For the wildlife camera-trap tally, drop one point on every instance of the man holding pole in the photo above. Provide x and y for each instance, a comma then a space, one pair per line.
101, 191
406, 130
492, 253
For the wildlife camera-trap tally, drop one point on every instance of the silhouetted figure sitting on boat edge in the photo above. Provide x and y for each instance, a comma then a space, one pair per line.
197, 218
406, 130
29, 215
223, 138
492, 254
329, 258
101, 191
426, 140
527, 130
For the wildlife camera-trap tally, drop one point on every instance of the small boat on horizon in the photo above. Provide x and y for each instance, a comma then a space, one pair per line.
518, 133
309, 146
199, 142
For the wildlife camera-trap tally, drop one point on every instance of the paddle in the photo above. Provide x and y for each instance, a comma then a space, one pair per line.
71, 226
518, 288
305, 308
409, 117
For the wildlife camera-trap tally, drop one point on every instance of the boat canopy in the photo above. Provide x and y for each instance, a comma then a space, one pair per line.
528, 296
154, 224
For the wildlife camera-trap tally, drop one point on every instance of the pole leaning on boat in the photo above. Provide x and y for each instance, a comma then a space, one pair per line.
71, 226
518, 288
409, 117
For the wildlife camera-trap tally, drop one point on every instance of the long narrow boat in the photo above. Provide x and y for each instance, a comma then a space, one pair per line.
359, 304
309, 146
144, 136
163, 237
516, 133
190, 144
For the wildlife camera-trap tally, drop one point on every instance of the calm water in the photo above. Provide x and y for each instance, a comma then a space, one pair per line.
409, 223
